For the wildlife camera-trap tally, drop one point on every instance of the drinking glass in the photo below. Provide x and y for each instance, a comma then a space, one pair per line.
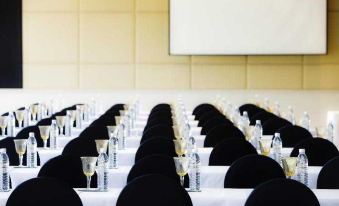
73, 116
180, 147
61, 120
44, 133
20, 116
20, 148
34, 111
181, 166
3, 124
111, 130
289, 166
101, 144
88, 167
265, 146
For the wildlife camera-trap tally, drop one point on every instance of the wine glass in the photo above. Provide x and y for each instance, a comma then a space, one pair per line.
88, 167
20, 148
111, 130
101, 144
180, 147
181, 166
3, 124
61, 120
20, 116
34, 111
44, 133
73, 116
289, 166
265, 146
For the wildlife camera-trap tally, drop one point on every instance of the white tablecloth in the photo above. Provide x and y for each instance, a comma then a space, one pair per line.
208, 197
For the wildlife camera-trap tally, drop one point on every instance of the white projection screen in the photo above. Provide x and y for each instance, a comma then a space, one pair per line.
245, 27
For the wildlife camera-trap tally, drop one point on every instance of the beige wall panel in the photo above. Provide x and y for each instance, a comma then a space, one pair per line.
50, 5
218, 60
163, 77
106, 38
321, 77
106, 5
274, 59
152, 5
219, 77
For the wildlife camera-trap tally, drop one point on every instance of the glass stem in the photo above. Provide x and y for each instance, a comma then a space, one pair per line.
20, 124
88, 182
45, 144
182, 180
20, 160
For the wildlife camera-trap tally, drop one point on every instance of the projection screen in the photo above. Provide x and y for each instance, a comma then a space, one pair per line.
245, 27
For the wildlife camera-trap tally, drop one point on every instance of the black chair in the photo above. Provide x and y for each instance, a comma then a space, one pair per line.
158, 120
210, 124
201, 109
67, 169
207, 116
282, 192
43, 191
95, 132
24, 134
155, 164
273, 125
318, 151
230, 150
105, 120
158, 130
80, 147
221, 132
251, 109
45, 122
154, 190
155, 146
292, 135
263, 117
9, 145
252, 170
328, 175
157, 113
162, 106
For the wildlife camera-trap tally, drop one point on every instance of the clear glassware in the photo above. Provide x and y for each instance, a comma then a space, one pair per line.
44, 133
3, 124
61, 121
34, 111
73, 115
265, 146
88, 167
180, 147
289, 166
20, 116
181, 166
101, 145
20, 148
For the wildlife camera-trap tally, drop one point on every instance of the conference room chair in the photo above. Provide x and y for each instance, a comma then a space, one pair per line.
43, 191
161, 106
156, 145
45, 122
271, 126
67, 169
318, 151
155, 164
251, 171
282, 192
80, 147
328, 175
262, 116
213, 122
8, 144
201, 109
158, 130
230, 150
154, 190
251, 109
158, 120
292, 135
207, 116
95, 132
221, 132
160, 112
24, 134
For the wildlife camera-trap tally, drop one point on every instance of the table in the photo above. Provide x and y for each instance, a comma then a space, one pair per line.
208, 197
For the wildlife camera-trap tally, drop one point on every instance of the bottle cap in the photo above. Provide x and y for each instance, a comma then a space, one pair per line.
277, 134
301, 151
258, 122
31, 134
53, 121
244, 113
2, 150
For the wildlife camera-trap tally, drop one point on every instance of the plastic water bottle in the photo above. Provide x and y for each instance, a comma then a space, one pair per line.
194, 172
277, 147
11, 125
121, 136
54, 133
245, 122
113, 151
191, 145
290, 115
302, 167
31, 151
257, 134
4, 171
305, 121
330, 132
26, 121
102, 171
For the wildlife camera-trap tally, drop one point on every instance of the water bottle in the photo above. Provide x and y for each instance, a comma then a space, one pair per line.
257, 134
191, 145
302, 167
68, 124
113, 151
330, 132
121, 136
31, 151
194, 172
26, 118
4, 171
277, 147
305, 121
245, 122
187, 130
54, 133
290, 115
102, 171
11, 125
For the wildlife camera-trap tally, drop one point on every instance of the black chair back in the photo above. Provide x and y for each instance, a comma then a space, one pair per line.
209, 115
263, 117
210, 124
95, 132
80, 147
328, 175
221, 132
158, 130
201, 109
45, 122
155, 146
292, 135
273, 125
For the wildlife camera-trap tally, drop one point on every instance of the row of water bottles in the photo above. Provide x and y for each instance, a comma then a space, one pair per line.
192, 151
